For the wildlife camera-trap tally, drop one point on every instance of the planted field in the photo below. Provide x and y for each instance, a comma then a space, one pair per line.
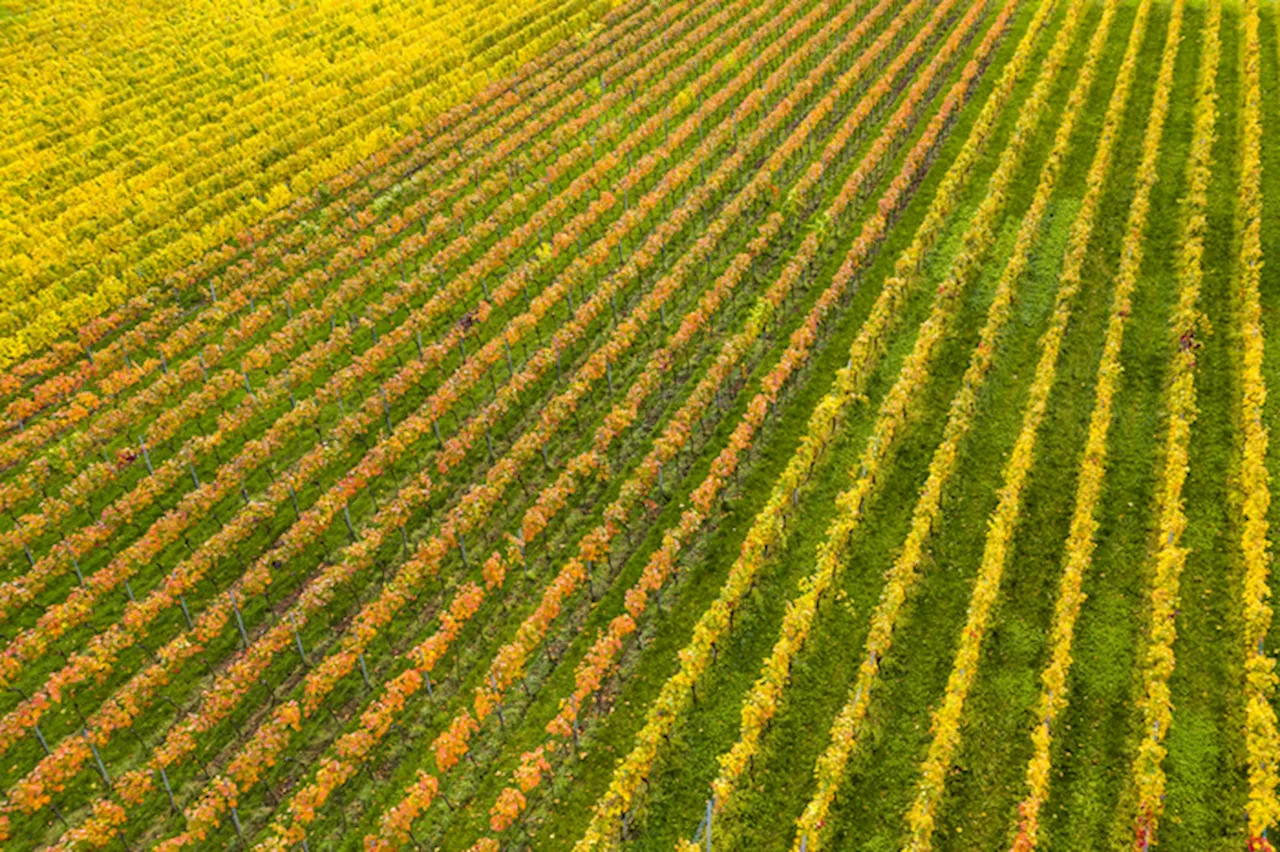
752, 424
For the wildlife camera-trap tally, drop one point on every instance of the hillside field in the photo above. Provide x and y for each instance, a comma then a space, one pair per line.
782, 425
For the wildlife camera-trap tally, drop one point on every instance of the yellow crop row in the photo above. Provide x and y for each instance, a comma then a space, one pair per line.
1261, 740
1001, 527
1170, 557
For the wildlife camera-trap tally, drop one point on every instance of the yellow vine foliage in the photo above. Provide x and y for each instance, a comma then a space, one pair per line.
1180, 405
135, 137
1261, 739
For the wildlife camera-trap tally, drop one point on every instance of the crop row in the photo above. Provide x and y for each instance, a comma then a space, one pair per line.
598, 661
288, 234
1180, 408
299, 417
1261, 740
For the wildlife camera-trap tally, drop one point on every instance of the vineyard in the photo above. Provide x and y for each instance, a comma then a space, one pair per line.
579, 425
